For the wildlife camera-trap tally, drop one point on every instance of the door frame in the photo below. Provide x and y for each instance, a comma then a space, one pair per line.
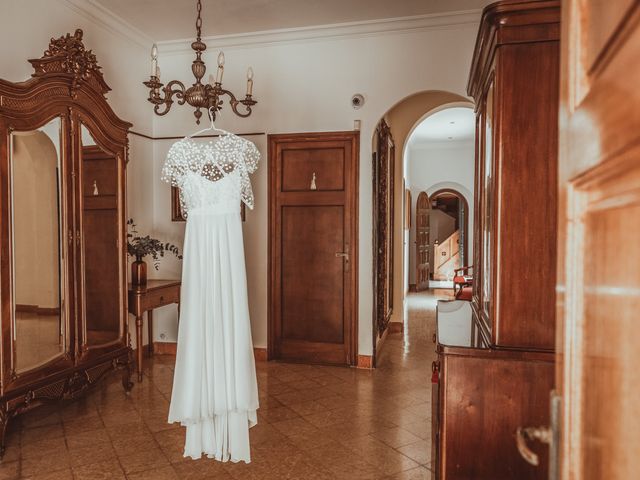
461, 197
273, 141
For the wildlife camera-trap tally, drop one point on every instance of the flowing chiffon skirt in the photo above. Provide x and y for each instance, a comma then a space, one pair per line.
215, 391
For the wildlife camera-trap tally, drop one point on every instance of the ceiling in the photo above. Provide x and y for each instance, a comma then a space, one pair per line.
455, 124
175, 19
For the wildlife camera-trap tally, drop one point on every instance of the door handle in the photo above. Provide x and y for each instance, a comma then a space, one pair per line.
542, 434
345, 255
549, 435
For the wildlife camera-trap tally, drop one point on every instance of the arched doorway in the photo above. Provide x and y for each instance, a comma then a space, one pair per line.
393, 262
450, 225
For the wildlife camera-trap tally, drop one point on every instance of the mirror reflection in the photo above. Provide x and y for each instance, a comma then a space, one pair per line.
37, 268
100, 242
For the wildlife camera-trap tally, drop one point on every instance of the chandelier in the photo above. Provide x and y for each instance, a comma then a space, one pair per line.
200, 96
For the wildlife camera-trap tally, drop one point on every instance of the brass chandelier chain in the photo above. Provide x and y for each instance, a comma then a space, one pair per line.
199, 20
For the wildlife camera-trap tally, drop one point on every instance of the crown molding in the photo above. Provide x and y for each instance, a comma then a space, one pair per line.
108, 20
328, 32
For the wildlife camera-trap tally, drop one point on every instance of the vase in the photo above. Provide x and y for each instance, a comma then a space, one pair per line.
139, 272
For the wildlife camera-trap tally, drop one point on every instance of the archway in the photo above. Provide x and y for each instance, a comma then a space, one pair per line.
401, 119
450, 249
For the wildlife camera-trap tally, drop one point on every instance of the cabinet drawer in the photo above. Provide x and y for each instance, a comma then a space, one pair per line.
160, 297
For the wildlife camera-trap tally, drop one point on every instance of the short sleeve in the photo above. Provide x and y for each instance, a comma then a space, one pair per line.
177, 164
251, 157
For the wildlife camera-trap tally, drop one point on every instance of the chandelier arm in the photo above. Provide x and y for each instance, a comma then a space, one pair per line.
166, 101
167, 106
233, 102
234, 107
178, 92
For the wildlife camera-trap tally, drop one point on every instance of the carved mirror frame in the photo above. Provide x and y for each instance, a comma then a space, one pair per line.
383, 177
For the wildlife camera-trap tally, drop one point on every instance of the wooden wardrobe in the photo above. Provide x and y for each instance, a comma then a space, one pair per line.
498, 376
63, 282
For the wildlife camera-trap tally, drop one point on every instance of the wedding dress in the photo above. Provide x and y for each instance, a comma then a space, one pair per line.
215, 391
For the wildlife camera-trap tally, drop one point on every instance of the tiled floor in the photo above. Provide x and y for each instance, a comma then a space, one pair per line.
314, 423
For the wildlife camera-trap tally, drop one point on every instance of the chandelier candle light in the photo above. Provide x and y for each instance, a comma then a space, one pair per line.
200, 96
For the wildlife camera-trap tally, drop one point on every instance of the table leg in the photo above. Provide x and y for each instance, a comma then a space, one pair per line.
150, 321
139, 345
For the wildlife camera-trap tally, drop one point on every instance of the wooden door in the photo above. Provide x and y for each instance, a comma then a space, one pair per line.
423, 263
598, 287
313, 189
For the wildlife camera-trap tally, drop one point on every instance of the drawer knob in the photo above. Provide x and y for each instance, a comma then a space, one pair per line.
434, 338
162, 298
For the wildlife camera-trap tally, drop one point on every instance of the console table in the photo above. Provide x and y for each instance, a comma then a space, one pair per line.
144, 298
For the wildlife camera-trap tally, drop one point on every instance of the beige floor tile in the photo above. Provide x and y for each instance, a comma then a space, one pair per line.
202, 469
143, 460
395, 437
92, 452
419, 451
162, 473
105, 470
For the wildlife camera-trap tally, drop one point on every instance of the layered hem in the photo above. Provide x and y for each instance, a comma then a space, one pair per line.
223, 437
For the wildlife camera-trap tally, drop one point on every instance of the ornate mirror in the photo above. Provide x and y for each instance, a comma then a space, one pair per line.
100, 235
38, 268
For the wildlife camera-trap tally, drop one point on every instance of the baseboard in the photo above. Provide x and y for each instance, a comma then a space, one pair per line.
165, 348
365, 361
169, 348
395, 327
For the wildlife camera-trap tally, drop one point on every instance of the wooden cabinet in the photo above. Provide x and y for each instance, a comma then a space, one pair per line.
481, 395
495, 366
514, 81
63, 154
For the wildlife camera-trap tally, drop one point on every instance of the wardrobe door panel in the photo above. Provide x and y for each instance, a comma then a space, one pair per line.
39, 272
100, 267
526, 196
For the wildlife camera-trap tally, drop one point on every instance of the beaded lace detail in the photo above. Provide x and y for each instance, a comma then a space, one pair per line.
213, 173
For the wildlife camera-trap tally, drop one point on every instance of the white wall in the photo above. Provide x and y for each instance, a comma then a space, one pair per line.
26, 27
307, 86
434, 166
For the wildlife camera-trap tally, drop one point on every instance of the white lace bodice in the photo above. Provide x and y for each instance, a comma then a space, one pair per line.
212, 174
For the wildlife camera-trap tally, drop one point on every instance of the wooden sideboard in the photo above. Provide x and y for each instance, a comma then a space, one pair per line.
145, 298
481, 395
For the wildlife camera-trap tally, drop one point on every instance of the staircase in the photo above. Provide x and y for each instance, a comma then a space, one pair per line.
447, 257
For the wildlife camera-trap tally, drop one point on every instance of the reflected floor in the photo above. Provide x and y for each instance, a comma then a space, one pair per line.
38, 339
314, 422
